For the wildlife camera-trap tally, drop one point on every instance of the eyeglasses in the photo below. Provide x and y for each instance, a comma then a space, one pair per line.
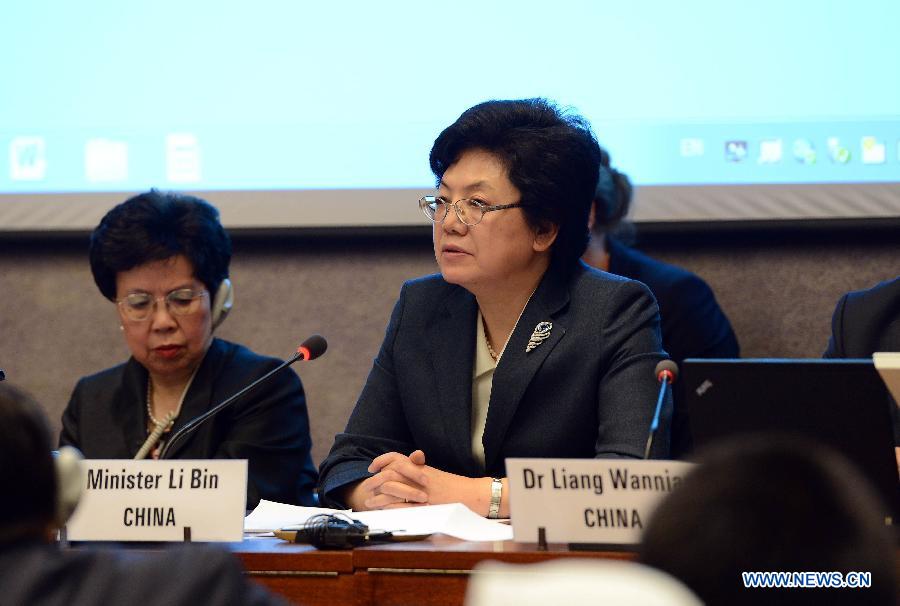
139, 306
468, 210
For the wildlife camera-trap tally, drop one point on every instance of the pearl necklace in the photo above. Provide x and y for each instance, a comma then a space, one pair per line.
174, 414
171, 416
164, 425
494, 355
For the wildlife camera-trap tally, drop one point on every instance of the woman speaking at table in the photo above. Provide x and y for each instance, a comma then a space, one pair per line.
163, 259
516, 349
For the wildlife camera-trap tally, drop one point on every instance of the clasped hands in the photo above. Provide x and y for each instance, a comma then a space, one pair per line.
406, 481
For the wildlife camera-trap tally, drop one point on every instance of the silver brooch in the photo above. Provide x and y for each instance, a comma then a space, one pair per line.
540, 334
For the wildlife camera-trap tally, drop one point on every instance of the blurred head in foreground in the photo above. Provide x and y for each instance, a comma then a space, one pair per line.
768, 505
27, 473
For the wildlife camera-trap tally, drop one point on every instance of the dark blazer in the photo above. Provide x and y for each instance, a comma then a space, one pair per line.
106, 418
587, 391
866, 321
37, 573
693, 324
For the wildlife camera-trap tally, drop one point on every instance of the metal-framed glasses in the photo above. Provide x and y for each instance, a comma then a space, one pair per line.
468, 210
139, 306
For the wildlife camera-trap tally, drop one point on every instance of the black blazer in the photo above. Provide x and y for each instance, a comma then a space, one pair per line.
38, 573
693, 324
866, 321
106, 418
587, 391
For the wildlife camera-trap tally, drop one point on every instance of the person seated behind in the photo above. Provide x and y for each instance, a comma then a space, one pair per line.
516, 349
693, 324
163, 259
33, 568
866, 321
770, 504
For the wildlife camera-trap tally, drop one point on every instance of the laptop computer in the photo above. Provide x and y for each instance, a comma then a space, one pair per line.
841, 403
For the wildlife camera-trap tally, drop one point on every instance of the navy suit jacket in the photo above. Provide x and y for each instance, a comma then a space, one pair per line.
587, 391
693, 324
106, 418
38, 573
866, 321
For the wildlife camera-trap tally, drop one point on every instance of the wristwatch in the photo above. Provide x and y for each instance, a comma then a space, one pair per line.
496, 495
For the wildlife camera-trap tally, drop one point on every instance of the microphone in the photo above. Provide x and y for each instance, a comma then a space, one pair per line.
310, 349
666, 372
332, 531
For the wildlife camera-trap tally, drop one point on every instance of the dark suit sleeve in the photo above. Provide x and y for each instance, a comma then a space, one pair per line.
854, 335
182, 575
628, 390
271, 430
693, 326
835, 347
37, 573
376, 426
699, 327
70, 435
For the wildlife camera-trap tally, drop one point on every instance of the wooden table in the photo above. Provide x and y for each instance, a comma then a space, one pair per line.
421, 573
300, 573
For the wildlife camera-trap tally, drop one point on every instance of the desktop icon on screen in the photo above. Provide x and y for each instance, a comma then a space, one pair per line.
105, 160
770, 151
735, 151
804, 151
691, 147
182, 158
27, 159
837, 151
873, 151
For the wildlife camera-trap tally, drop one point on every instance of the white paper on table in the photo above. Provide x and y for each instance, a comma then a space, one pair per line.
454, 519
269, 516
888, 366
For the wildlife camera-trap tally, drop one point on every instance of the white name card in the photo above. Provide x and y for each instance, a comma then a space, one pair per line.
587, 500
149, 500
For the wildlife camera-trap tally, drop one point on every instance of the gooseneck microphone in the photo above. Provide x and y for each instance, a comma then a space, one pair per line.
666, 372
310, 349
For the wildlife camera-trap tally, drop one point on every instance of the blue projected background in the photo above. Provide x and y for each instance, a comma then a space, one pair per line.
304, 111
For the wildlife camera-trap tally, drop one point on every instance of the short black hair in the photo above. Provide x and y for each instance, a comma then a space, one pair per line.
551, 157
612, 199
154, 226
767, 504
27, 472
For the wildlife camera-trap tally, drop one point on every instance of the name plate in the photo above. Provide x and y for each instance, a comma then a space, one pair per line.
149, 500
587, 500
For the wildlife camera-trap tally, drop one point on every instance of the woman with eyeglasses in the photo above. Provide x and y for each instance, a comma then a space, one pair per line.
516, 349
163, 258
